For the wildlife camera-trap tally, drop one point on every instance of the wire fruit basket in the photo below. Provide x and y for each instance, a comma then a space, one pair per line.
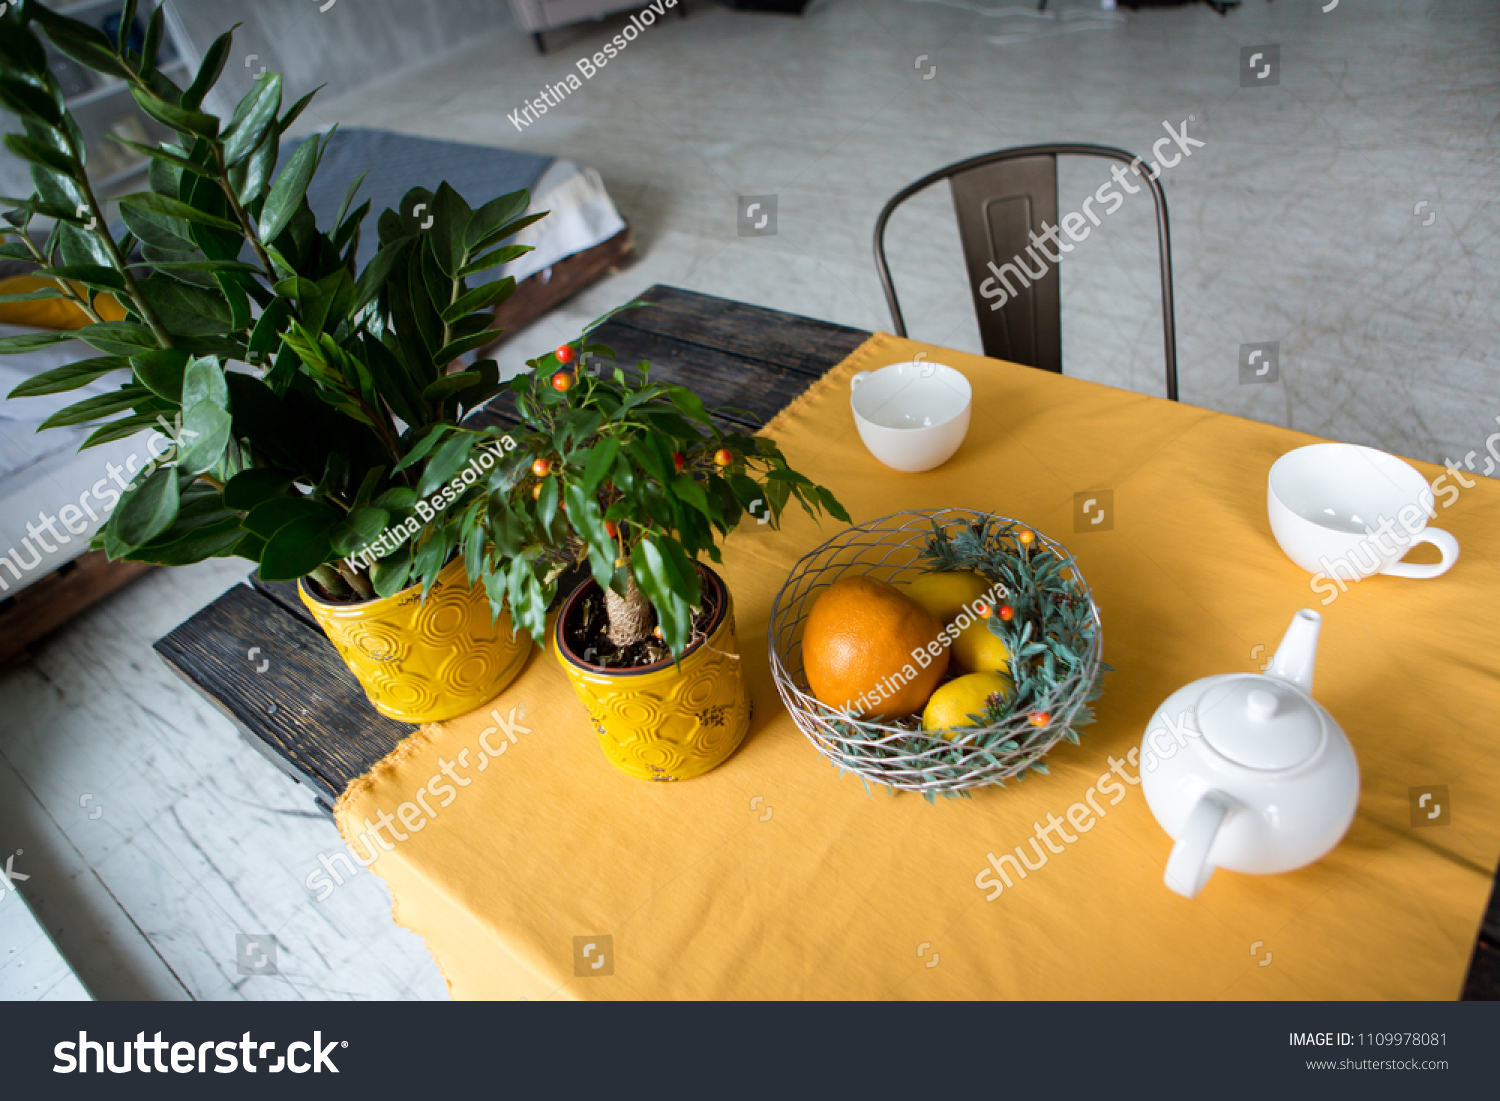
1055, 640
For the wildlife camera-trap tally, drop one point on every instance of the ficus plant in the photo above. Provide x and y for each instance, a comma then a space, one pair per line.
296, 384
609, 468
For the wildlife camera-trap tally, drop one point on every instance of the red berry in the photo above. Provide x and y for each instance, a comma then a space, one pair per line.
723, 457
1007, 613
1040, 718
565, 353
982, 610
562, 382
541, 467
611, 528
678, 461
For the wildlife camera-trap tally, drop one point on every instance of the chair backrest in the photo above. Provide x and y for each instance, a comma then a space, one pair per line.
1002, 202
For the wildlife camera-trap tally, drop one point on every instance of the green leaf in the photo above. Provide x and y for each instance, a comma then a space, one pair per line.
450, 221
148, 509
91, 275
28, 342
98, 407
353, 190
508, 230
376, 272
185, 308
166, 157
166, 207
494, 214
161, 371
181, 119
118, 429
253, 119
601, 459
36, 152
210, 71
289, 190
494, 259
80, 41
270, 516
151, 46
649, 567
360, 528
70, 376
204, 381
297, 549
114, 338
122, 32
255, 486
479, 298
449, 385
297, 108
445, 462
251, 176
265, 338
27, 100
389, 575
205, 431
449, 352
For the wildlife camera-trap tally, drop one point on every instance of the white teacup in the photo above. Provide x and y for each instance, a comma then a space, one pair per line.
912, 416
1350, 512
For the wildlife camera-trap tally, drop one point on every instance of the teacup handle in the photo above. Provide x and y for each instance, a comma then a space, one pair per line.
1446, 545
858, 378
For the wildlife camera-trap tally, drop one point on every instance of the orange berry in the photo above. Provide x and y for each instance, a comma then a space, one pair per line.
541, 467
562, 382
982, 610
723, 457
678, 462
619, 562
1039, 718
1027, 537
611, 528
1007, 613
656, 630
536, 492
565, 354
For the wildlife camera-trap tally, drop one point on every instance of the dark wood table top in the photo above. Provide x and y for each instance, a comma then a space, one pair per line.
297, 702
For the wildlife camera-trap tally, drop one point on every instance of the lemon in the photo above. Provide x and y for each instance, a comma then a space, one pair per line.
980, 650
953, 703
947, 592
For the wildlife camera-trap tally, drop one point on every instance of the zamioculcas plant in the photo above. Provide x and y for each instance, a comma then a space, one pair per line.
295, 383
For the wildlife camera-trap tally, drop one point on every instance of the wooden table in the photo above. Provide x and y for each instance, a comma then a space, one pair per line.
298, 703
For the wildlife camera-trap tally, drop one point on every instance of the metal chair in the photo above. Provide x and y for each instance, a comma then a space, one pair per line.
1002, 201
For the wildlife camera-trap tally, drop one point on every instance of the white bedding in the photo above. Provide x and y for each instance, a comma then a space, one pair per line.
582, 216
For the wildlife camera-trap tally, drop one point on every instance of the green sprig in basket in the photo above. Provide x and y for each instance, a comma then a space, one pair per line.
1054, 638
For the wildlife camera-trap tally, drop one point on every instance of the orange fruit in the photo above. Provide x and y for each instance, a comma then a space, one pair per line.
859, 644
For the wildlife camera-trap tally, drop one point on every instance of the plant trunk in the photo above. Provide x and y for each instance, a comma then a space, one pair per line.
630, 616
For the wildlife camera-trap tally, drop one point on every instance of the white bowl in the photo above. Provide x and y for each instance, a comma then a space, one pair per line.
911, 416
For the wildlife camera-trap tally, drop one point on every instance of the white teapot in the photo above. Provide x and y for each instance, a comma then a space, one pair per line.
1247, 772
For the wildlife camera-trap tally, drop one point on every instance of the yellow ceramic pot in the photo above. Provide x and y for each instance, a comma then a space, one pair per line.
668, 721
425, 661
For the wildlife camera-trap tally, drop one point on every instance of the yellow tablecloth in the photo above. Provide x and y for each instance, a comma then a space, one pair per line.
774, 876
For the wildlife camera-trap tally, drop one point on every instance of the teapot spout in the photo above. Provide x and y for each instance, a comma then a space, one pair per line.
1298, 651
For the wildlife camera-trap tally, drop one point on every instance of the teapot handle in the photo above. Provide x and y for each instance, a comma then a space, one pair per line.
1188, 868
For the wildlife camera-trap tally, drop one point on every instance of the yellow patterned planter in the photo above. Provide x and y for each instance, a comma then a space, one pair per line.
666, 721
423, 662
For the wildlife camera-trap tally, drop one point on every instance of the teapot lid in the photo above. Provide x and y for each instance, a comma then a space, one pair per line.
1260, 722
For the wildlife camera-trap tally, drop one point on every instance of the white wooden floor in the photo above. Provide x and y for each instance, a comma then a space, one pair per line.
154, 837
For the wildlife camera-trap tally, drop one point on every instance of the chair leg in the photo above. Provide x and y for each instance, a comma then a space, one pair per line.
541, 43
